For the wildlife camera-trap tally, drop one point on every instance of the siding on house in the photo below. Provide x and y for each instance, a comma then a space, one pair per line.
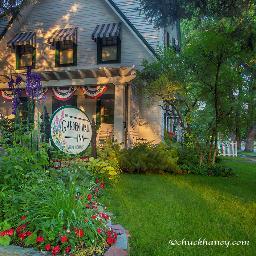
48, 15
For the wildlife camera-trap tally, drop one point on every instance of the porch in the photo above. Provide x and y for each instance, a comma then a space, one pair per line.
104, 94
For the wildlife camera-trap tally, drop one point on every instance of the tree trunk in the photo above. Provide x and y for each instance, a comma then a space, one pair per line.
249, 145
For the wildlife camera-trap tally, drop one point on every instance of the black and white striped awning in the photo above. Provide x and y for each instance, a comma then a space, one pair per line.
65, 34
106, 31
23, 38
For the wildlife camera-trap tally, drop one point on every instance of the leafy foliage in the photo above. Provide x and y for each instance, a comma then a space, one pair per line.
165, 12
53, 210
147, 158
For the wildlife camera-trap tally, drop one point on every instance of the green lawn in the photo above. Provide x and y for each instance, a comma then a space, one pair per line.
159, 208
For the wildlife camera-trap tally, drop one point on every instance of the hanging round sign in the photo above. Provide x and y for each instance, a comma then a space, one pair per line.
94, 92
63, 94
71, 130
8, 95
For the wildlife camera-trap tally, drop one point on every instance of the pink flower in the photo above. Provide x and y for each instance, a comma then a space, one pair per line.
102, 185
99, 230
89, 197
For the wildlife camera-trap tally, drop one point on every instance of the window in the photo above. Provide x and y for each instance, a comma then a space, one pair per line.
25, 56
66, 54
109, 50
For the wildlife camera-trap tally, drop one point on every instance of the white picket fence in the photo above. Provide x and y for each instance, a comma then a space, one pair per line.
227, 148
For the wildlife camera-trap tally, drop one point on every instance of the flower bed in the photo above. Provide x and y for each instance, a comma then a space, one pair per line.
54, 210
66, 237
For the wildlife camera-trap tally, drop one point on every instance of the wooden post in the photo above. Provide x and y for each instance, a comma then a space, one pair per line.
94, 139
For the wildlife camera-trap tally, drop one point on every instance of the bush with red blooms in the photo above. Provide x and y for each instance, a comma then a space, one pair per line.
62, 237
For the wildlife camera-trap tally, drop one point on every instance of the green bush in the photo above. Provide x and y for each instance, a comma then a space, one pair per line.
19, 162
102, 169
220, 170
147, 158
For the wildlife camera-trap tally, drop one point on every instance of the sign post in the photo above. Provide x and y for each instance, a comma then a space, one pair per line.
71, 130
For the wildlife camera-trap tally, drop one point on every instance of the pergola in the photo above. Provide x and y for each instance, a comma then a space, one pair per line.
77, 77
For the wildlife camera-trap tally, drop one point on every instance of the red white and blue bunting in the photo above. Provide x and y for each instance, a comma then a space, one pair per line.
94, 92
7, 95
63, 94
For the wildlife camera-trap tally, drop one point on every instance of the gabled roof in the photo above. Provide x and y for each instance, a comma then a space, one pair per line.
129, 11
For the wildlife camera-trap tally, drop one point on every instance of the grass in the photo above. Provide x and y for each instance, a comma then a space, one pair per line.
159, 208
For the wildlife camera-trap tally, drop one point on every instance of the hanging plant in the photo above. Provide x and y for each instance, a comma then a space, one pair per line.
63, 94
94, 92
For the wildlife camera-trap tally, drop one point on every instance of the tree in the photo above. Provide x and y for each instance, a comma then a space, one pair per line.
165, 12
199, 83
11, 7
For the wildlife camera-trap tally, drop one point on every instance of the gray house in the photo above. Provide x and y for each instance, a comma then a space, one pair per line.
87, 53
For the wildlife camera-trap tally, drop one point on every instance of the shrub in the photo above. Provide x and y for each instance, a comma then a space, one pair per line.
220, 170
19, 162
102, 169
147, 158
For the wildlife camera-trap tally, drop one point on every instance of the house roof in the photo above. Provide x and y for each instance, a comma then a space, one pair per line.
145, 30
130, 13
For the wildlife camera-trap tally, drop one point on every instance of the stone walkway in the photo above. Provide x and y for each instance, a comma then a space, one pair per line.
120, 248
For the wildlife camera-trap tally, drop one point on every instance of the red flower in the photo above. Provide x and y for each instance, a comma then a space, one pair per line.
23, 217
79, 232
47, 247
99, 230
20, 228
89, 197
102, 185
110, 240
39, 239
104, 216
8, 232
28, 233
68, 249
22, 236
55, 250
97, 181
87, 206
63, 239
94, 217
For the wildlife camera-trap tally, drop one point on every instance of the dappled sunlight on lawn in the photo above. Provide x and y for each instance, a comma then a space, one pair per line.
156, 208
